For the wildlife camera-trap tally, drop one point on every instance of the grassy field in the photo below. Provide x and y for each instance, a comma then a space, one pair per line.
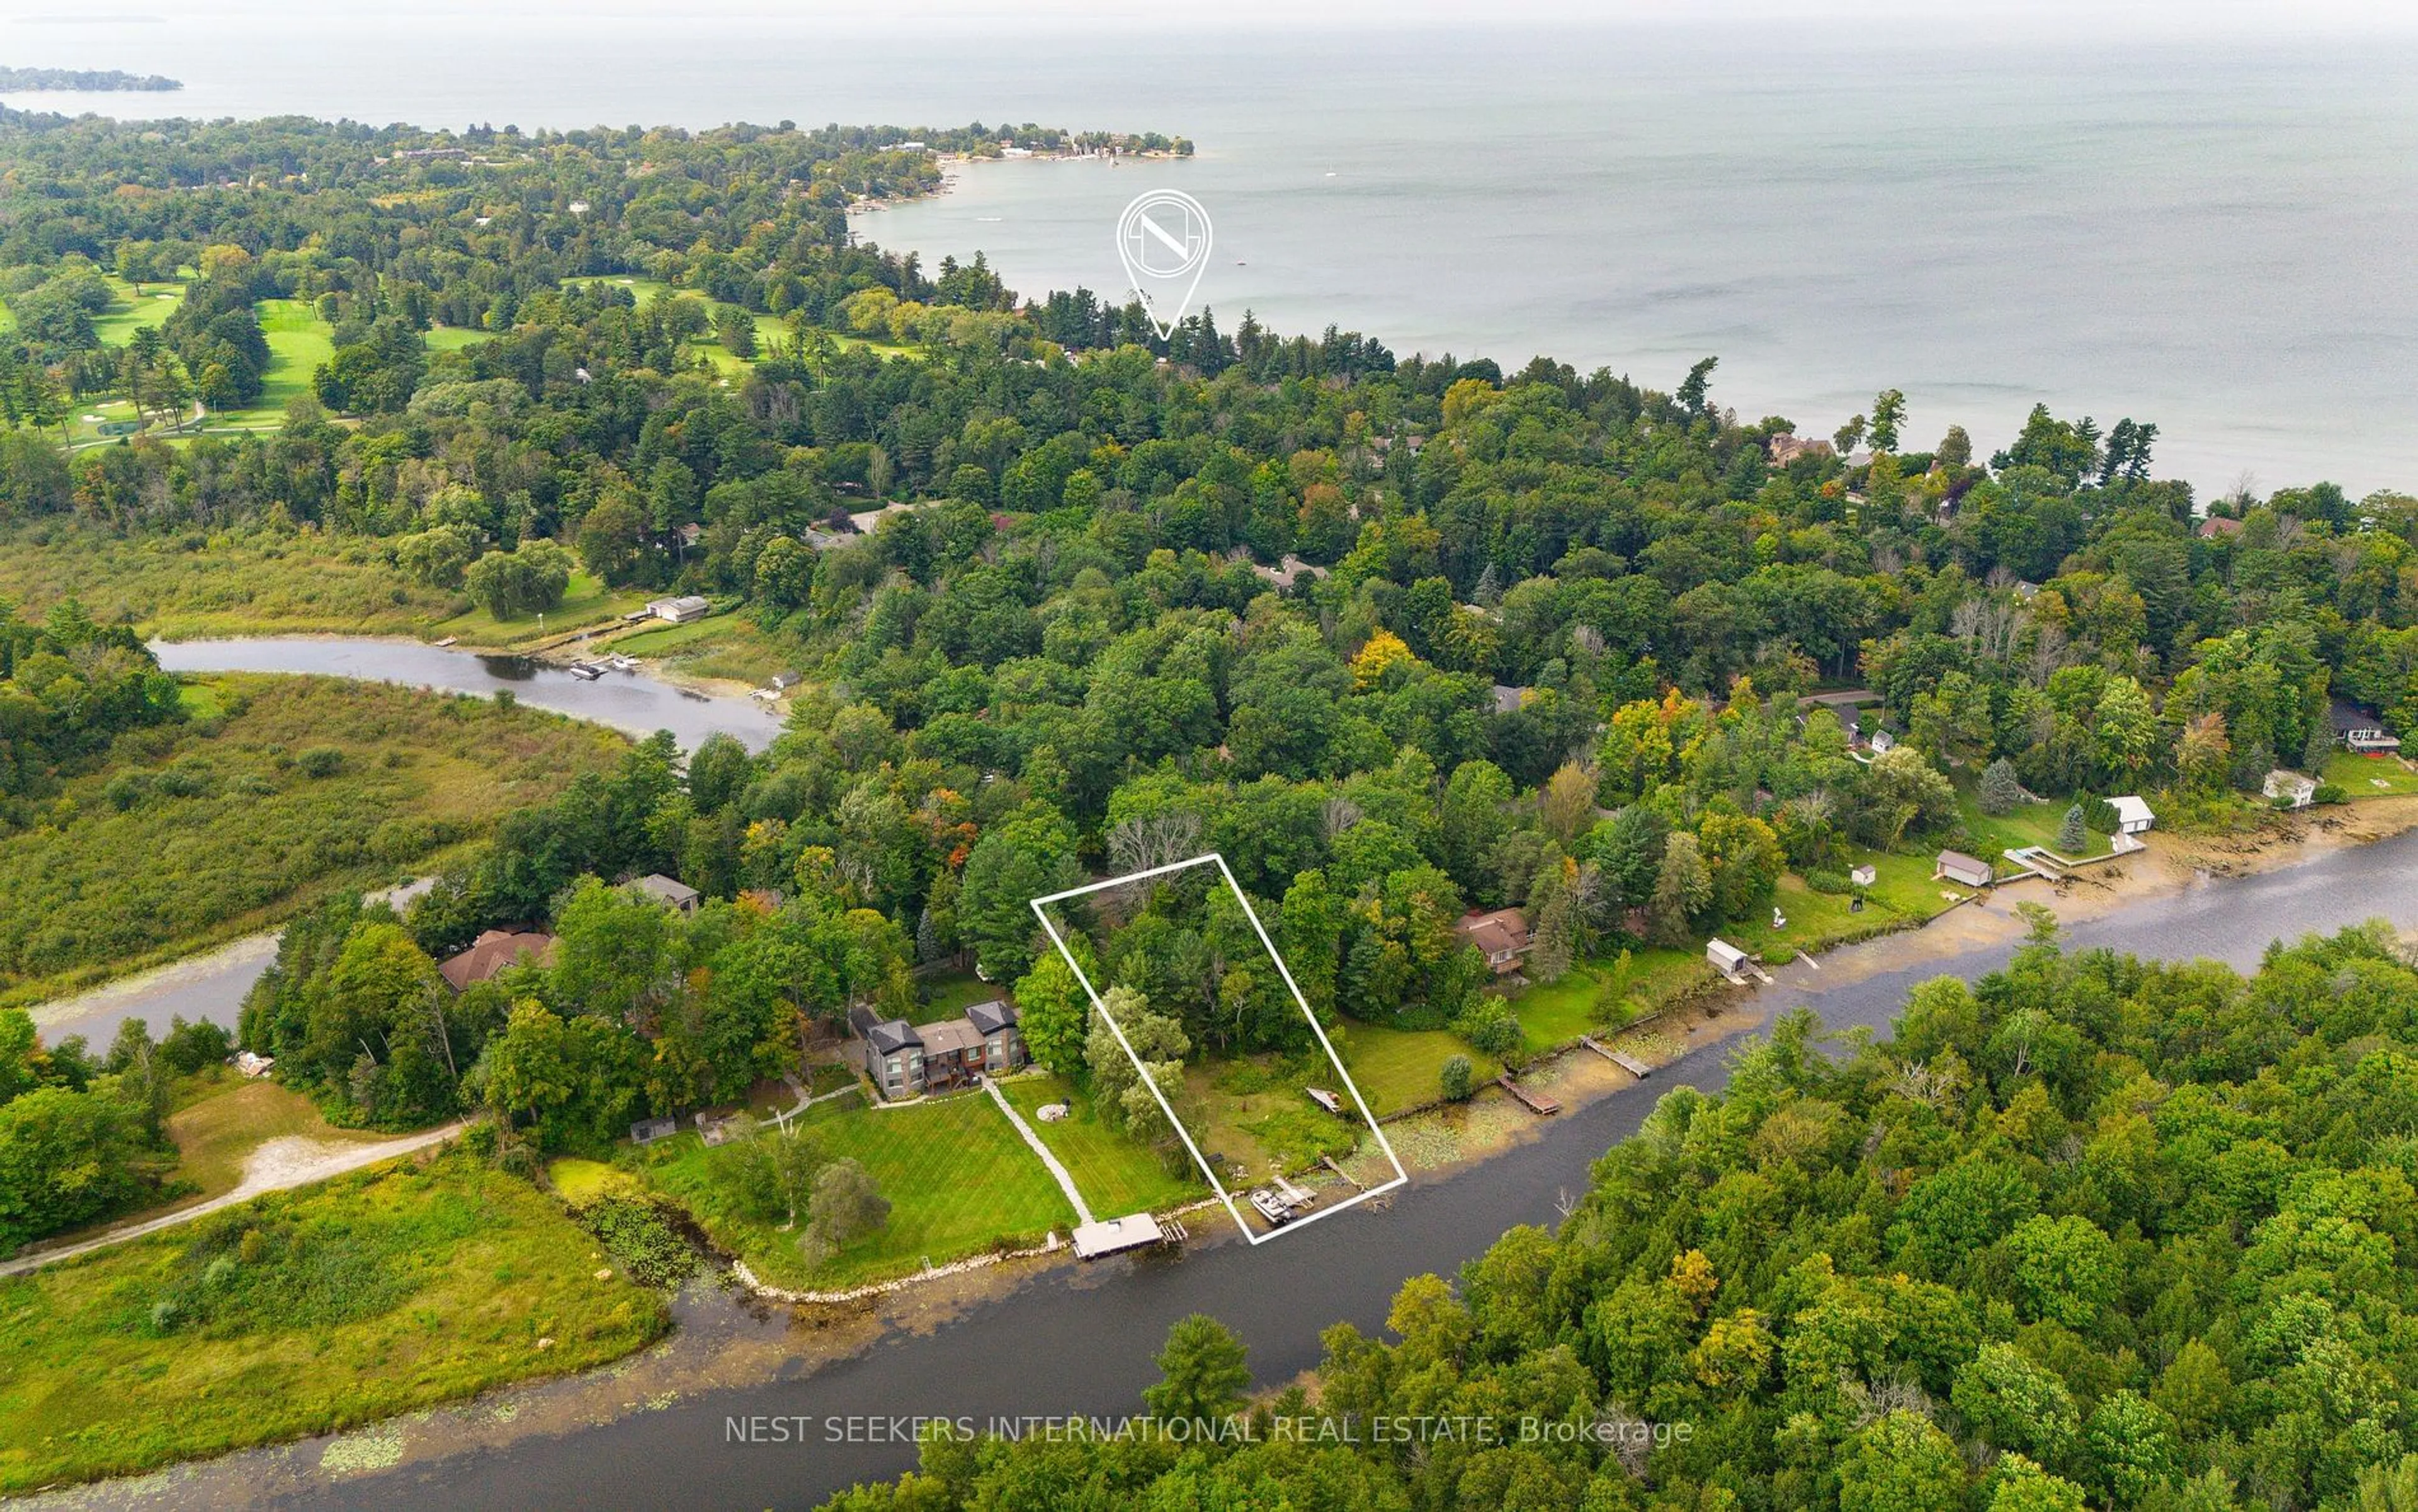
212, 830
1117, 1175
302, 1313
959, 1181
189, 586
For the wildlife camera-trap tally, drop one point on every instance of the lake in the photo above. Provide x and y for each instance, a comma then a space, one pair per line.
2210, 235
1080, 1339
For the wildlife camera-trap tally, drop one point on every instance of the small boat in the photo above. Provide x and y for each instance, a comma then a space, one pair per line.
449, 640
586, 671
622, 664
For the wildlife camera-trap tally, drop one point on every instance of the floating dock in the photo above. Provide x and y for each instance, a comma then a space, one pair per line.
1536, 1102
1627, 1063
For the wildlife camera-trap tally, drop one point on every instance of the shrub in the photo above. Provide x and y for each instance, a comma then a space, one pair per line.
2329, 792
320, 762
1457, 1078
1489, 1027
1829, 881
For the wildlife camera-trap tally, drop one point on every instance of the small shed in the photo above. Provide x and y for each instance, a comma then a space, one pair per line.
1727, 958
1969, 871
649, 1130
1882, 741
1325, 1099
251, 1065
1864, 876
2133, 817
2291, 787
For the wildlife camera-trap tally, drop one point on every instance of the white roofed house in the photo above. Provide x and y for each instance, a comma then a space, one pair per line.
1956, 866
2133, 815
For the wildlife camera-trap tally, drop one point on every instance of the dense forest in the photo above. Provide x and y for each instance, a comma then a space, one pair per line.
2094, 1232
1398, 636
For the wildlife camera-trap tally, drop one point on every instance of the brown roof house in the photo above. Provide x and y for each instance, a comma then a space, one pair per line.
1502, 936
908, 1060
490, 954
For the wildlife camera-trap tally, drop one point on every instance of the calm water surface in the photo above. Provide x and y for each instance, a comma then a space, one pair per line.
2209, 234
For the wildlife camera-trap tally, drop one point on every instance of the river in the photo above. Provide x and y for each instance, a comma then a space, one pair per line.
1078, 1340
631, 701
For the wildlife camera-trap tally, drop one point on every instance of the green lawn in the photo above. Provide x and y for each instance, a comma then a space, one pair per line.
946, 997
2366, 776
454, 338
135, 310
1117, 1175
1398, 1068
959, 1179
299, 343
304, 1312
2035, 824
1556, 1013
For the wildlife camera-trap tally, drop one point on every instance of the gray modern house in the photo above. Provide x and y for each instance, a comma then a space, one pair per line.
909, 1060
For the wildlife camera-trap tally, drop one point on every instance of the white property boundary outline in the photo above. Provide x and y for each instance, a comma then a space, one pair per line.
1401, 1177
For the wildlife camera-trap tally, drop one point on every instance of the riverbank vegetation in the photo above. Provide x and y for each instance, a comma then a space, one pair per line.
2094, 1232
250, 796
302, 1313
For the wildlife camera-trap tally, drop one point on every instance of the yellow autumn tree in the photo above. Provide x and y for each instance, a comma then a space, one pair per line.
1383, 652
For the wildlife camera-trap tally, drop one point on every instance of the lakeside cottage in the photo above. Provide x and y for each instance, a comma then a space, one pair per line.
907, 1060
2290, 787
1502, 937
682, 610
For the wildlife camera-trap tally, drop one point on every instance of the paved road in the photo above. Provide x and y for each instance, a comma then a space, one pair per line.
275, 1166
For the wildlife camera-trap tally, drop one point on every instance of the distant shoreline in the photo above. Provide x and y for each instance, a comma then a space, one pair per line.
83, 80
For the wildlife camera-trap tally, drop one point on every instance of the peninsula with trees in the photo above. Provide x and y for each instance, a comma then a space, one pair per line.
40, 81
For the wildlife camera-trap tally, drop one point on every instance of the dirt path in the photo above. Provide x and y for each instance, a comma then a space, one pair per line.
288, 1161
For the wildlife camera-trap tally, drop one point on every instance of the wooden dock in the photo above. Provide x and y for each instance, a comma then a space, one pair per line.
1627, 1063
1536, 1102
1328, 1161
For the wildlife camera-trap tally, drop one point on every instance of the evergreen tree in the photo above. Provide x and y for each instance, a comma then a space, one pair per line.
2071, 837
2002, 793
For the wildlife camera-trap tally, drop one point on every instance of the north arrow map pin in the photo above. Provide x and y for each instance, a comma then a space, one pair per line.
1163, 240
